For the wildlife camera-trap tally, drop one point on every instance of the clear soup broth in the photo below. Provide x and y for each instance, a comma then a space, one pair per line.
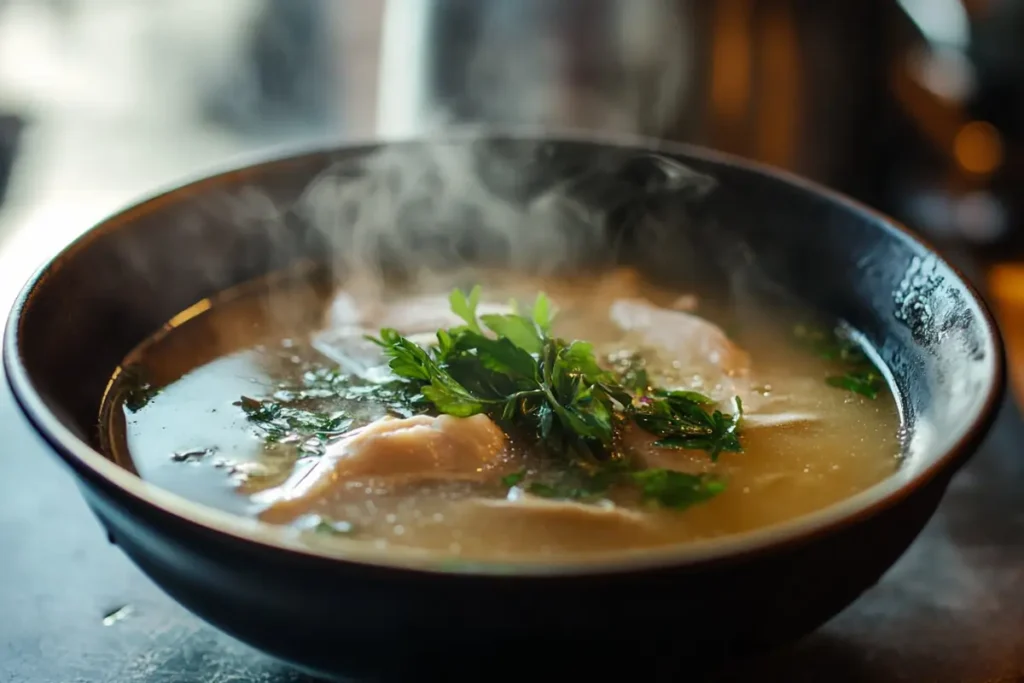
269, 401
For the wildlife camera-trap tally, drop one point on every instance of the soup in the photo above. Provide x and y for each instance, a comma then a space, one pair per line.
596, 414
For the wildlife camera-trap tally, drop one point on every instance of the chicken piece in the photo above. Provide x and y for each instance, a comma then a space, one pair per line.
393, 450
343, 338
408, 315
691, 340
700, 346
524, 520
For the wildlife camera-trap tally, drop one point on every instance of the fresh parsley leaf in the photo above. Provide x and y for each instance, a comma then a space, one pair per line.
520, 331
138, 392
513, 370
859, 374
682, 421
510, 480
867, 383
665, 488
676, 490
278, 421
543, 313
465, 306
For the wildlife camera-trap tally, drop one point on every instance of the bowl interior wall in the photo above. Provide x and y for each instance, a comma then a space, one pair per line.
752, 234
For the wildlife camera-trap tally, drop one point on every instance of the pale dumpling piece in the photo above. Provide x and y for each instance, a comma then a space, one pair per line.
393, 450
524, 520
692, 341
699, 346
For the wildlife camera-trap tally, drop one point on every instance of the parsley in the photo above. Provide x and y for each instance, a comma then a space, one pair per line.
510, 480
582, 483
138, 392
866, 382
511, 368
860, 375
279, 422
397, 397
676, 490
662, 487
682, 421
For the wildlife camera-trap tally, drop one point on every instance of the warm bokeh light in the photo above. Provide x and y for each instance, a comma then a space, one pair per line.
978, 148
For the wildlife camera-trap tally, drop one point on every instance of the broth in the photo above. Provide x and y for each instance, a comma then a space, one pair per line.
807, 440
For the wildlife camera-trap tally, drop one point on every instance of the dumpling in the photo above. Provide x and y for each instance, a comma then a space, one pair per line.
526, 520
393, 450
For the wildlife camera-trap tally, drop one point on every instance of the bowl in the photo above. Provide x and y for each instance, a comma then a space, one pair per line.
357, 612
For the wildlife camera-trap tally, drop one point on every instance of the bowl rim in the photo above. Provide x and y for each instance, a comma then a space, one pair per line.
91, 465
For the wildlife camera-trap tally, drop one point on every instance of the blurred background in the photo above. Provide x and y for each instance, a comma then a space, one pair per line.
913, 106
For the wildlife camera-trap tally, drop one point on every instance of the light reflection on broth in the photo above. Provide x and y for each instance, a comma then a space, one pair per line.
806, 445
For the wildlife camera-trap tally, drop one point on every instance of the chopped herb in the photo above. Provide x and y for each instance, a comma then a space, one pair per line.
665, 488
510, 480
832, 344
681, 420
397, 397
510, 368
867, 383
581, 484
677, 490
138, 391
279, 422
859, 373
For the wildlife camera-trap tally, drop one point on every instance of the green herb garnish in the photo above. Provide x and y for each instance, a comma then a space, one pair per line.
512, 369
683, 421
278, 421
663, 487
138, 392
508, 367
866, 382
677, 490
859, 374
510, 480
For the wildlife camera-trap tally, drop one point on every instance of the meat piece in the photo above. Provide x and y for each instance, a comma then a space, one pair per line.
393, 450
701, 347
523, 520
343, 339
691, 340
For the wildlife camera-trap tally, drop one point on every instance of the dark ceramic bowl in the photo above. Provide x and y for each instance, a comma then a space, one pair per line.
350, 610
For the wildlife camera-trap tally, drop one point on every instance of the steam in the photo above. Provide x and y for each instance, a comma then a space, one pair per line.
435, 209
433, 212
420, 213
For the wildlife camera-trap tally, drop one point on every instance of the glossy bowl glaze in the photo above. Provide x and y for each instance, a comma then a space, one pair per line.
355, 611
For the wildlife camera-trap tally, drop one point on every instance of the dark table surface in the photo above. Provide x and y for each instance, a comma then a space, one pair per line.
951, 610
